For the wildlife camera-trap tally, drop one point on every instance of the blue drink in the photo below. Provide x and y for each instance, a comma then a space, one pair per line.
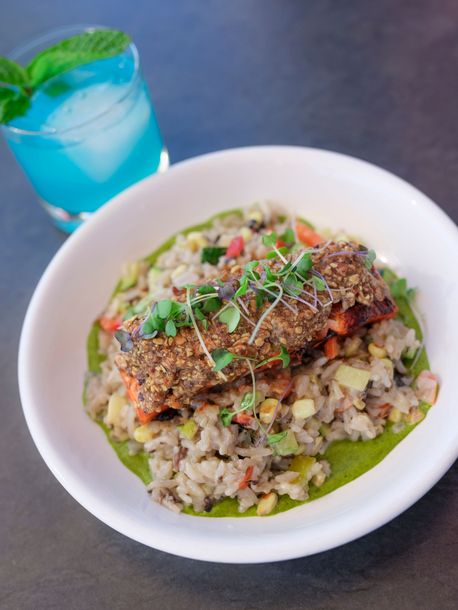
88, 135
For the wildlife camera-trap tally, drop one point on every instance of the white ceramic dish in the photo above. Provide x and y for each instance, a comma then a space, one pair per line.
406, 229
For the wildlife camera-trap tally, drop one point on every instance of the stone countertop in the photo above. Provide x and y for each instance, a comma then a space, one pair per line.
377, 80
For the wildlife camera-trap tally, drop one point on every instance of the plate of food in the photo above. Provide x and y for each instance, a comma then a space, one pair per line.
249, 358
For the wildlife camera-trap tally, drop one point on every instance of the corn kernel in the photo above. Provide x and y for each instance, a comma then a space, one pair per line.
303, 408
414, 416
255, 215
144, 433
359, 403
153, 276
224, 241
195, 241
178, 271
352, 346
376, 351
318, 479
246, 233
266, 410
387, 363
115, 404
395, 415
266, 504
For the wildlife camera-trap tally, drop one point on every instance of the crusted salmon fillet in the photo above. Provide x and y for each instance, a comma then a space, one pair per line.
164, 372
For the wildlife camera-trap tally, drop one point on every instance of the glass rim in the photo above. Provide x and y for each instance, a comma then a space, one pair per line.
71, 30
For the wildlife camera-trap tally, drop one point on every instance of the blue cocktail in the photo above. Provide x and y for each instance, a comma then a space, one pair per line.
87, 135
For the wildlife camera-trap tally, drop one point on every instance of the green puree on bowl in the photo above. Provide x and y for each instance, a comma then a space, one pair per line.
348, 459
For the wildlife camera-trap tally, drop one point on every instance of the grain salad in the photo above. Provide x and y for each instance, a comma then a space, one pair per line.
232, 368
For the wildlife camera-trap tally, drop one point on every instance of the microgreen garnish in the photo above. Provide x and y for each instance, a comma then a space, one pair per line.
248, 401
318, 283
170, 329
125, 340
270, 239
18, 83
164, 308
282, 357
231, 317
370, 258
212, 254
226, 416
276, 438
288, 236
222, 358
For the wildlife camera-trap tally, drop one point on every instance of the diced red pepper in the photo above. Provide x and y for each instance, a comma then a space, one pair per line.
384, 410
280, 243
110, 325
331, 348
308, 236
246, 478
244, 419
235, 247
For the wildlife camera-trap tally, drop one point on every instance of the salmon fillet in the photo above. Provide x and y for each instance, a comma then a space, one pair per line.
165, 372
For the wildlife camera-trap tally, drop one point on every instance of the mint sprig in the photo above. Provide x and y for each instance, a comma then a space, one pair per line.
18, 83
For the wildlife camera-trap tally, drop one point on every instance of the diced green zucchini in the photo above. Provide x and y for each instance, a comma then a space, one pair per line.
188, 429
130, 277
303, 408
351, 377
302, 464
287, 445
153, 275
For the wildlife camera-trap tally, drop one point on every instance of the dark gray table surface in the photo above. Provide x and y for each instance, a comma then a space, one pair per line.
377, 80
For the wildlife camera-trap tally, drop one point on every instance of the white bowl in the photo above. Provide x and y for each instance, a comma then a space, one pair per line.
407, 230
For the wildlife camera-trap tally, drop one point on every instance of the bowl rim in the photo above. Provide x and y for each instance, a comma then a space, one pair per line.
273, 550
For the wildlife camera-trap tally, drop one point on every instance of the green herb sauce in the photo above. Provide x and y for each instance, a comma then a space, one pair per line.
348, 459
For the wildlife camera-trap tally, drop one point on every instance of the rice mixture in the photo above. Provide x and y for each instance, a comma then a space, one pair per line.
348, 390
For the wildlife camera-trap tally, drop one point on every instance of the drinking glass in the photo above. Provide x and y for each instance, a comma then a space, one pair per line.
89, 133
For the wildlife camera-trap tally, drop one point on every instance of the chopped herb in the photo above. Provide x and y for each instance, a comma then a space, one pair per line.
231, 317
222, 358
226, 416
212, 254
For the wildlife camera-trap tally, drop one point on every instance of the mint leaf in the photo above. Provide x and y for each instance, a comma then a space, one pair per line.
75, 51
12, 104
12, 73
